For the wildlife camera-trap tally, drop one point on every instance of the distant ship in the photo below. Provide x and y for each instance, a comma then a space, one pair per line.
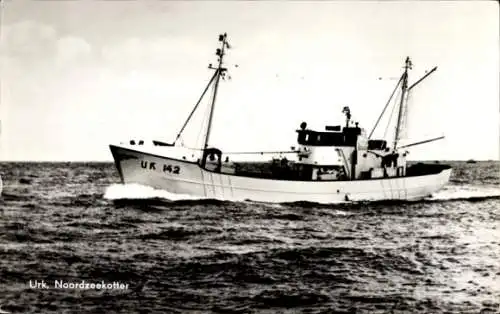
337, 164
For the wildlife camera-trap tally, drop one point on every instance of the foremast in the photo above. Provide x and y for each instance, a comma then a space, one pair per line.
220, 72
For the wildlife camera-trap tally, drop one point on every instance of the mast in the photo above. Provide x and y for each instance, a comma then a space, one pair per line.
404, 89
219, 71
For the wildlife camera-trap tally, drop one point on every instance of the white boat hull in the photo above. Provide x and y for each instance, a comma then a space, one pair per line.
187, 177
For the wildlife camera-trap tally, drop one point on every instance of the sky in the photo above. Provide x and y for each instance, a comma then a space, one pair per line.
76, 76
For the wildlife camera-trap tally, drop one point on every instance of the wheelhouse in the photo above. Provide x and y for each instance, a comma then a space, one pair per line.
347, 137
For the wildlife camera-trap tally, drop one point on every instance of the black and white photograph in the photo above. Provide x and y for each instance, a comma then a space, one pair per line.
249, 156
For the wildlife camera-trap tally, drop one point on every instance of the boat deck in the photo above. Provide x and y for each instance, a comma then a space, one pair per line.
266, 170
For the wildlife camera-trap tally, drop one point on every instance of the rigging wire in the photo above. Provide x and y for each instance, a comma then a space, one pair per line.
202, 127
261, 153
385, 107
249, 153
207, 116
405, 123
392, 114
195, 107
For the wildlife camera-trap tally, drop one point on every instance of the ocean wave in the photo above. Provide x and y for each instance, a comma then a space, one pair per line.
136, 194
138, 191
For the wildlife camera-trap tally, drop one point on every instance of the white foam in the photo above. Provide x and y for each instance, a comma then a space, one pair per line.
451, 192
137, 191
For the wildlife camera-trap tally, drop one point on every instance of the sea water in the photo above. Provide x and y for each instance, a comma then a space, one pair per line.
75, 224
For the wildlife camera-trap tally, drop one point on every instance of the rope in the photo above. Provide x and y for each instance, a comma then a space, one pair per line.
195, 107
205, 121
391, 115
203, 126
385, 107
260, 153
407, 114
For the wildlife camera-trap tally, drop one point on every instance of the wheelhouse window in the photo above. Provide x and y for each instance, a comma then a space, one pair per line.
377, 144
313, 138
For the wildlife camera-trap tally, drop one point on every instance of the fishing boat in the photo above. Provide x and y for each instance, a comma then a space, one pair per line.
340, 163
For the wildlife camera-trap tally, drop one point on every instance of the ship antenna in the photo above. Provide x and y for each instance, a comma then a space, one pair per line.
220, 71
404, 89
347, 113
